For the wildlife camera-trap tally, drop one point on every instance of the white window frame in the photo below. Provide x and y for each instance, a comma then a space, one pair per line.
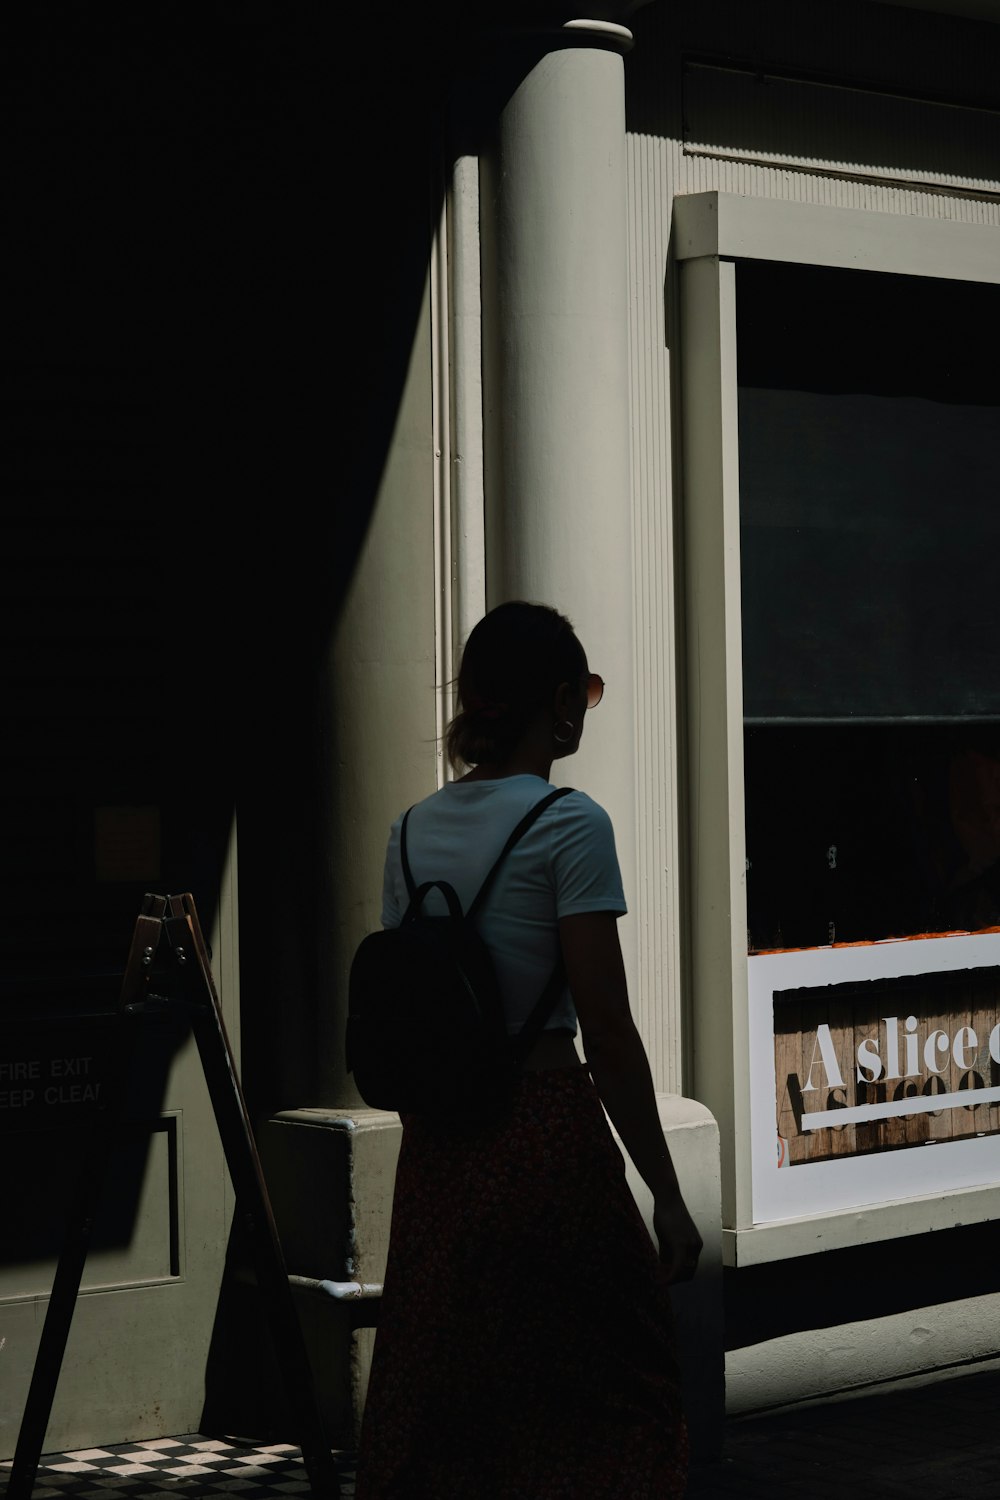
711, 231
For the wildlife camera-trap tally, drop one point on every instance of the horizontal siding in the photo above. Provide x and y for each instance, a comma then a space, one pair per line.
839, 130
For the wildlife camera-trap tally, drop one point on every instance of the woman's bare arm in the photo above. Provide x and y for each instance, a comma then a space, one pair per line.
620, 1070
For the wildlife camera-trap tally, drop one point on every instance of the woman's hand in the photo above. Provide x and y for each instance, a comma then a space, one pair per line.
678, 1237
620, 1069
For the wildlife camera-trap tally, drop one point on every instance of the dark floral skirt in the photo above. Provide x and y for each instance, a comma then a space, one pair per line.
525, 1346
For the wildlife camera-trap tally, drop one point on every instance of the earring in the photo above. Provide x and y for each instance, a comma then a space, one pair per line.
569, 730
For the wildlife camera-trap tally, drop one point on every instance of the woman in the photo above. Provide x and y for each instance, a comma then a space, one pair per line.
525, 1342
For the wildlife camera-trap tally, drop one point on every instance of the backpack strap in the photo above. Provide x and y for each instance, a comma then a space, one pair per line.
448, 892
518, 833
521, 1044
411, 885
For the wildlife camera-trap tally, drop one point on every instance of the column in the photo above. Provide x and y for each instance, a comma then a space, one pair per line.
555, 377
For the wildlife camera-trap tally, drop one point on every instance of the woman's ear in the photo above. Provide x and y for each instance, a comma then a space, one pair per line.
561, 700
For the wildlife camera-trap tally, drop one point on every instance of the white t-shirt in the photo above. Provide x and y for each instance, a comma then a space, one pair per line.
564, 865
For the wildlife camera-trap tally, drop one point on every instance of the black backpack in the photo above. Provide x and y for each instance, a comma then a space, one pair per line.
426, 1032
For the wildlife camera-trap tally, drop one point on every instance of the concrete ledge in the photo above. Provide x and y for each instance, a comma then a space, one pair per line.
340, 1166
818, 1363
330, 1176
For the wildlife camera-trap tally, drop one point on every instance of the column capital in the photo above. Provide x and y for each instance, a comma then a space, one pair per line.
598, 32
578, 31
600, 23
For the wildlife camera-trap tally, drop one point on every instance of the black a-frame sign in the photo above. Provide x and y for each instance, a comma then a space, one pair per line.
184, 980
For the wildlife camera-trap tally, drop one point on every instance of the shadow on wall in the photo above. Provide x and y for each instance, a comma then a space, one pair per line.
220, 251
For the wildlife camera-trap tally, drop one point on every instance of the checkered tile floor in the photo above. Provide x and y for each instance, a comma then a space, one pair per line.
169, 1468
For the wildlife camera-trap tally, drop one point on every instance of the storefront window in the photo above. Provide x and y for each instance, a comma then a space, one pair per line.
841, 438
869, 447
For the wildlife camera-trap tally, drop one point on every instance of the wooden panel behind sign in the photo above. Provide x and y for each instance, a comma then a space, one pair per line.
919, 1035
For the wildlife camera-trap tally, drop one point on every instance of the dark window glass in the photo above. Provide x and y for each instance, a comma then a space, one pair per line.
869, 416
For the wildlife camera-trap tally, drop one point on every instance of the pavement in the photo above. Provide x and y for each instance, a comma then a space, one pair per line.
926, 1439
923, 1439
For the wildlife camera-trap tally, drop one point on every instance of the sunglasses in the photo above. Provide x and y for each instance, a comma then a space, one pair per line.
595, 689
